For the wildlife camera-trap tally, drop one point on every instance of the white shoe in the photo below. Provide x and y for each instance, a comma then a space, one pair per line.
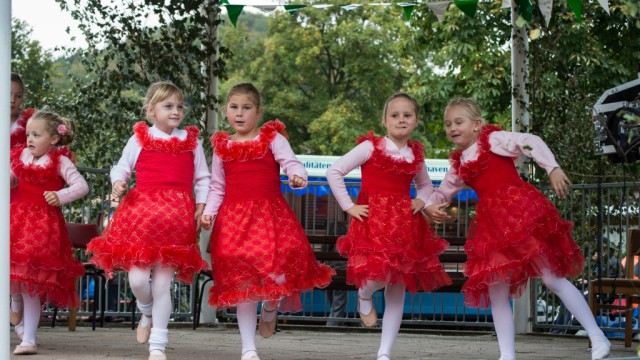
600, 348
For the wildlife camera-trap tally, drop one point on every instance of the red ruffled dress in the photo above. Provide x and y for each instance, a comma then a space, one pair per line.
259, 249
154, 223
392, 243
19, 135
42, 260
516, 231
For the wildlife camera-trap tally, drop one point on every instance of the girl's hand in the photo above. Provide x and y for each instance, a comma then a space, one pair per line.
206, 221
560, 182
297, 182
198, 215
119, 187
359, 211
51, 198
416, 206
437, 213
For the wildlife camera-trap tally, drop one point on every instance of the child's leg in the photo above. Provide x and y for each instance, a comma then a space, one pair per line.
161, 311
365, 295
32, 308
247, 321
574, 301
16, 307
141, 288
269, 312
503, 320
16, 303
394, 308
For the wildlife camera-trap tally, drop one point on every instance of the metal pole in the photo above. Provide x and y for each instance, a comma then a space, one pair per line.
212, 114
5, 91
520, 123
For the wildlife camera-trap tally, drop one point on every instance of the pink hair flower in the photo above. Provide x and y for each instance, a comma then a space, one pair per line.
62, 129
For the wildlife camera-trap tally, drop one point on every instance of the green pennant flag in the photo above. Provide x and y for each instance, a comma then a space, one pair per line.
525, 9
576, 7
291, 9
468, 7
224, 2
408, 10
234, 12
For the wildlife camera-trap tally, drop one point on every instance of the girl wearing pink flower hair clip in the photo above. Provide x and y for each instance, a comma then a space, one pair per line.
43, 267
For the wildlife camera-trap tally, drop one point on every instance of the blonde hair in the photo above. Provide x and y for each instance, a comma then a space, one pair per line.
403, 96
159, 91
245, 89
471, 106
55, 124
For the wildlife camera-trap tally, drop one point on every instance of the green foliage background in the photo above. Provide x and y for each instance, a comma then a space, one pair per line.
327, 72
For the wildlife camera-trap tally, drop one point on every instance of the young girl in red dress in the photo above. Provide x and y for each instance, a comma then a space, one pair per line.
389, 244
43, 268
19, 117
517, 233
259, 249
153, 233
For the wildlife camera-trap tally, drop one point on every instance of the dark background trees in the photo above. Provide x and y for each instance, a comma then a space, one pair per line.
326, 72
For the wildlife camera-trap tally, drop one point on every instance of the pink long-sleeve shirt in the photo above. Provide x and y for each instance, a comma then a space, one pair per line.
123, 169
77, 185
504, 143
281, 151
360, 155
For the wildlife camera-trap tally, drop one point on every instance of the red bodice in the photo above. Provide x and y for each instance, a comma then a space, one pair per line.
33, 180
165, 162
382, 173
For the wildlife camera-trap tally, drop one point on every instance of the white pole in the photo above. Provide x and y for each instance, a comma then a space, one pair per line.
207, 313
5, 91
212, 115
520, 123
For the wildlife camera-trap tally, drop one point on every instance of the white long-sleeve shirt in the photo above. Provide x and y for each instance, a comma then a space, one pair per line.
77, 184
360, 155
283, 154
504, 143
123, 169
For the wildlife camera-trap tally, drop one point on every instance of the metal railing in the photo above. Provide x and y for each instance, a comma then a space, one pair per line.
320, 214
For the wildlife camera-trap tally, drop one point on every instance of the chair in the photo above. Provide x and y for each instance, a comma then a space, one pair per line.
208, 275
80, 235
627, 288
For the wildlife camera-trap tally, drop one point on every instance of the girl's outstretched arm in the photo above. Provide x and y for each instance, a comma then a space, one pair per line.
336, 173
291, 166
77, 189
560, 182
437, 213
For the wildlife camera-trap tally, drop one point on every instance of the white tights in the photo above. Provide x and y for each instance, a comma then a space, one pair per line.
394, 307
503, 317
30, 319
247, 321
153, 299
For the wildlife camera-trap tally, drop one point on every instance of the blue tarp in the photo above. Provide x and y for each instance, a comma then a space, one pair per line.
353, 188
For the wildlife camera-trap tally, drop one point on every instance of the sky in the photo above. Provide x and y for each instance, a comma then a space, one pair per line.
47, 21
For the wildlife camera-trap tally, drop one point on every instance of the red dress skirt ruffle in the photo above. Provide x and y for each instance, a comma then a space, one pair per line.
394, 244
42, 261
151, 226
515, 234
261, 253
